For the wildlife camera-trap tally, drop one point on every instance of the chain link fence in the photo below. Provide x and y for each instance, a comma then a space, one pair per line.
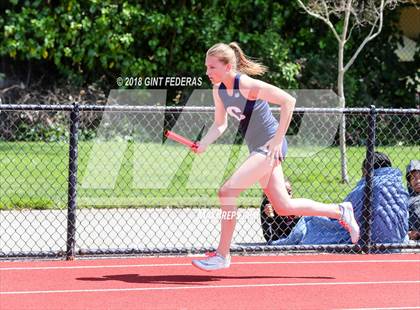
86, 180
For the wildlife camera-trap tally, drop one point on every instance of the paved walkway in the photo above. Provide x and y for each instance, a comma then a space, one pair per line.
108, 229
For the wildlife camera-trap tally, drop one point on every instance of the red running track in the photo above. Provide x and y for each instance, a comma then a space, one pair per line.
256, 282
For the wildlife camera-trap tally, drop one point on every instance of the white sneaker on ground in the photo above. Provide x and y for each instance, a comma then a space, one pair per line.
348, 221
213, 261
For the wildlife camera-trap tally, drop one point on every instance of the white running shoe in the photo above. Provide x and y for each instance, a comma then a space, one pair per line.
213, 261
348, 221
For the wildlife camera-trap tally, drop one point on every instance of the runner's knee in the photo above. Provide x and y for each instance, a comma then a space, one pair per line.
227, 192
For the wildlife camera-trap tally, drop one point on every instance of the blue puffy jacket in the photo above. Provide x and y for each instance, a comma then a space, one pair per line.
389, 218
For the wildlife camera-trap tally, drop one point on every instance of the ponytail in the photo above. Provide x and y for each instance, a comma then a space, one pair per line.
234, 55
244, 64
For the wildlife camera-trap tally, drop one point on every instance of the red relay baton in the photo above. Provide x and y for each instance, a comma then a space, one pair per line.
180, 139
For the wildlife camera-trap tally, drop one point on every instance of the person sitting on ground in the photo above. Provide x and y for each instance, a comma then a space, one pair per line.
413, 185
389, 217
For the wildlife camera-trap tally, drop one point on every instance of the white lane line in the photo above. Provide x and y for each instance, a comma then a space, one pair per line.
188, 264
378, 308
168, 288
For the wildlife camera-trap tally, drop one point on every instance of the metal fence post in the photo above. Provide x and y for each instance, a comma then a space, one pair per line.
367, 204
72, 189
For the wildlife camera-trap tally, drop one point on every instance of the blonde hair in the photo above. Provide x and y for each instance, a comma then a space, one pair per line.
232, 54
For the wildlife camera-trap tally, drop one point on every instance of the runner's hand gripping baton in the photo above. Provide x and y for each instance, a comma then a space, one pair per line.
180, 139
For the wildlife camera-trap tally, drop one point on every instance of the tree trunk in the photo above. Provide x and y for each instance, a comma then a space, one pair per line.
342, 99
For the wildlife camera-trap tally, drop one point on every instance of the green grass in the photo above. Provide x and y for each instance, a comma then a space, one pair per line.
119, 174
